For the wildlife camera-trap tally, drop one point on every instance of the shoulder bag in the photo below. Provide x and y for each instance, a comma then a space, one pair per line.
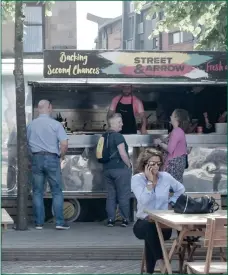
203, 205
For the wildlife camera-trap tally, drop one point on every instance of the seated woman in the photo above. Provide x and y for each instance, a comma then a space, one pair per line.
151, 188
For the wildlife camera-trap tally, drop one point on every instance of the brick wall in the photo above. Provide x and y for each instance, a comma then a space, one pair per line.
8, 39
60, 29
114, 32
114, 39
61, 26
185, 46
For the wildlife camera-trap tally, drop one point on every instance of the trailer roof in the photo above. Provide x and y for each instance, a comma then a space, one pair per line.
118, 81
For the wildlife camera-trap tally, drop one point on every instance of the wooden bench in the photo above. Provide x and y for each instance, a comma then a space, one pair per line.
6, 219
190, 248
215, 236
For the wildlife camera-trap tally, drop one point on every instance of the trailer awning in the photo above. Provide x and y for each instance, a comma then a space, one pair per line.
119, 81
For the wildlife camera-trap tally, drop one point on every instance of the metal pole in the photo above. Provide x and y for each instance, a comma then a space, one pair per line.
76, 29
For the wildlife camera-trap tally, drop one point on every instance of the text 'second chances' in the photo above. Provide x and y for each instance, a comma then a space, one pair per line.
76, 64
158, 64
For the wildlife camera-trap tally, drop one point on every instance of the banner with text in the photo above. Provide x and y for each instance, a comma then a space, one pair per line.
131, 64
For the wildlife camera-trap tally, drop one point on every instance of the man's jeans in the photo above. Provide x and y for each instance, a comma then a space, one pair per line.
47, 167
118, 183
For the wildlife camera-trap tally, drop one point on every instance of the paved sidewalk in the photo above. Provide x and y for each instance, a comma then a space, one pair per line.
83, 241
73, 267
80, 234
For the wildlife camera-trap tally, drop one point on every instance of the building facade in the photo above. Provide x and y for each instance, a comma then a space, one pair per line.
58, 31
109, 32
137, 29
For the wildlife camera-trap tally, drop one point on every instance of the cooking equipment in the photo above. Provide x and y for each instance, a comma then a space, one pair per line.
221, 128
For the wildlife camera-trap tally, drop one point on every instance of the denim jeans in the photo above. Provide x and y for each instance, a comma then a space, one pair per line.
47, 167
118, 183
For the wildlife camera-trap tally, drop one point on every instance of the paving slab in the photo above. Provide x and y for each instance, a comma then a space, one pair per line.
79, 235
83, 241
74, 267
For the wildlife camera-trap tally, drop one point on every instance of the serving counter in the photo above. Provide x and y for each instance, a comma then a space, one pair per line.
207, 170
193, 140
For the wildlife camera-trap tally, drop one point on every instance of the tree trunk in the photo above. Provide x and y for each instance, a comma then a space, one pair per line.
22, 156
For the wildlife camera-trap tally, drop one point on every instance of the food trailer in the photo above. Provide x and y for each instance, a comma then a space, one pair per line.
81, 85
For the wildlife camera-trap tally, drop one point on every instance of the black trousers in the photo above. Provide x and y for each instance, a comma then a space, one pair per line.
147, 231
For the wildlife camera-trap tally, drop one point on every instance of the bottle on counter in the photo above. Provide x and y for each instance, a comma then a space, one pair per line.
60, 118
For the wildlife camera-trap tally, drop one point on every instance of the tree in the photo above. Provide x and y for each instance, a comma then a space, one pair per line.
206, 20
14, 11
22, 164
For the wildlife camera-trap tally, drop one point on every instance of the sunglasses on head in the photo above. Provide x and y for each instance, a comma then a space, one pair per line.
153, 163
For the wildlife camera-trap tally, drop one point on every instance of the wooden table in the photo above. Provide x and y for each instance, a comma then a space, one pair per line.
184, 223
6, 219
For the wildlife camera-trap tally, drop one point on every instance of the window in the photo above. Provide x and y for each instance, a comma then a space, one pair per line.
187, 37
103, 40
154, 16
110, 30
141, 17
103, 44
155, 43
33, 29
130, 27
175, 38
154, 21
131, 7
140, 28
161, 15
129, 45
117, 27
141, 45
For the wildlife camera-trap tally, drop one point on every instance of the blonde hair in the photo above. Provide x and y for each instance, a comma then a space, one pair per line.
113, 117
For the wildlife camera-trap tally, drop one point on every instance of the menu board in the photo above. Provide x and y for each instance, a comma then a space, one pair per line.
190, 66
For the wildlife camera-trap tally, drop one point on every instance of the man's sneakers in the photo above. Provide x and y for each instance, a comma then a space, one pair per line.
58, 227
39, 227
124, 223
111, 223
62, 227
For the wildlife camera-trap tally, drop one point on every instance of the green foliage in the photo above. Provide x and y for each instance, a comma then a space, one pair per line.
206, 20
8, 9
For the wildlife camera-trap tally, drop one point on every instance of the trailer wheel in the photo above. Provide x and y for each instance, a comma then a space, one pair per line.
71, 210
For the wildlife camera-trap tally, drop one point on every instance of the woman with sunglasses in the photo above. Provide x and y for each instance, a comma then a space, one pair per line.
151, 188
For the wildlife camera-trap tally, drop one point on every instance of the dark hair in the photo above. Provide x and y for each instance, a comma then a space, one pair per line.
182, 117
144, 158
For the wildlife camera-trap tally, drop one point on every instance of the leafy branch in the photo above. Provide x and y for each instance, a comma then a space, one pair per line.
206, 20
8, 9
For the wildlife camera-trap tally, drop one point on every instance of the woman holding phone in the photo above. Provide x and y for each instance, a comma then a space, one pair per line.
151, 188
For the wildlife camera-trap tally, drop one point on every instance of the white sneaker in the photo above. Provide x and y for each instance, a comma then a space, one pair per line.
62, 227
39, 227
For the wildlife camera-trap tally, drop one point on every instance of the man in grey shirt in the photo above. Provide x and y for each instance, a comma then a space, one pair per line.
44, 135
